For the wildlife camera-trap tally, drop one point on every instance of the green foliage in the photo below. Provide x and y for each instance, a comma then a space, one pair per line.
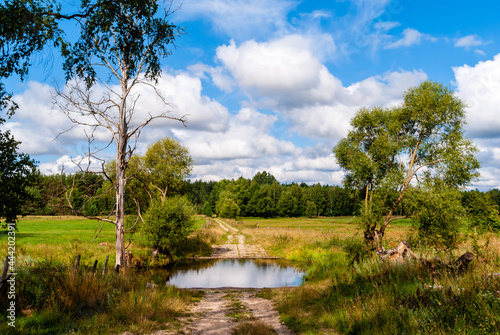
264, 178
135, 30
438, 214
165, 166
228, 209
390, 149
167, 224
17, 170
482, 212
311, 209
290, 202
24, 32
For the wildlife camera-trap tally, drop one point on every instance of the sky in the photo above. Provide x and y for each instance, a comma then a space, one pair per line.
271, 85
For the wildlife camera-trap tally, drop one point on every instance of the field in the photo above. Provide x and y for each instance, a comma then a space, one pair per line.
347, 290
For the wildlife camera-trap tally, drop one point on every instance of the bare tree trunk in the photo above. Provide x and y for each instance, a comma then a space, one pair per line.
120, 214
121, 167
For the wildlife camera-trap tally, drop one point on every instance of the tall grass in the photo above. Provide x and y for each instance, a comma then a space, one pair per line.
351, 292
52, 299
55, 300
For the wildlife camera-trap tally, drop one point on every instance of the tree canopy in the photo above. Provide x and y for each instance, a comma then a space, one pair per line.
16, 171
390, 150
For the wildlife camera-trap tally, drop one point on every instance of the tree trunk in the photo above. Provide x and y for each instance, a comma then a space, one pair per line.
121, 166
120, 213
373, 238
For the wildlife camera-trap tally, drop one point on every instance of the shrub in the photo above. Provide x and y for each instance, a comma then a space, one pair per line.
167, 225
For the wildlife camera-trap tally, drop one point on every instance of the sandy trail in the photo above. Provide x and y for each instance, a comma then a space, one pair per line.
236, 247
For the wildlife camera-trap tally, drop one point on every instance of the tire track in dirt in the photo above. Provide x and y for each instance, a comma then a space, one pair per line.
212, 315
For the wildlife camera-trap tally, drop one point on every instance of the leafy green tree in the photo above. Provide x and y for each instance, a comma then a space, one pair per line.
290, 202
263, 178
242, 190
438, 213
391, 150
17, 170
199, 193
229, 209
481, 210
167, 225
317, 196
262, 203
210, 207
165, 166
226, 206
495, 196
311, 209
340, 201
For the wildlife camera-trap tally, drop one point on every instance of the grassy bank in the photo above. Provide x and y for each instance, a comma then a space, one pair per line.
349, 291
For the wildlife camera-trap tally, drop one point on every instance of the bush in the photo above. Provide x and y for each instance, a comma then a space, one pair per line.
167, 224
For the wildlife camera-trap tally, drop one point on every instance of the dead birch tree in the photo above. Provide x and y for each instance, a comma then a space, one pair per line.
120, 49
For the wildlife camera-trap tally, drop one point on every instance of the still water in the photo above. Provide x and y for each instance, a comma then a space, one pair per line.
244, 273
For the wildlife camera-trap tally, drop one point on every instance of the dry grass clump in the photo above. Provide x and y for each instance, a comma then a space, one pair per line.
253, 328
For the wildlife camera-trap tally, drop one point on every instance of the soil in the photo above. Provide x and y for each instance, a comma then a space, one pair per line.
220, 310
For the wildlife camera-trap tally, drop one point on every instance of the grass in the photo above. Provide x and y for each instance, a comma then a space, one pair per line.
52, 299
63, 237
350, 291
346, 290
56, 300
61, 229
253, 328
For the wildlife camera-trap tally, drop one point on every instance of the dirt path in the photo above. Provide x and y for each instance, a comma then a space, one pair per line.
220, 311
236, 247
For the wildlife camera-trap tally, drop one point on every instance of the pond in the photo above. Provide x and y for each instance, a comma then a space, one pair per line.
241, 273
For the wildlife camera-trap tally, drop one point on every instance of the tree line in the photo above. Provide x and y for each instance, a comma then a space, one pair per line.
260, 196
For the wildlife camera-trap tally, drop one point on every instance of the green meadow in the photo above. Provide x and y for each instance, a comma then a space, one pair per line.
347, 290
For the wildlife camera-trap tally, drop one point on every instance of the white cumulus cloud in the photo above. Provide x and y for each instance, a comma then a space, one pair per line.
478, 86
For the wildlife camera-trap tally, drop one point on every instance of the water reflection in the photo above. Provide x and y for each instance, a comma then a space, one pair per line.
243, 273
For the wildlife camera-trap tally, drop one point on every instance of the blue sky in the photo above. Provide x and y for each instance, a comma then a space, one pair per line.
272, 84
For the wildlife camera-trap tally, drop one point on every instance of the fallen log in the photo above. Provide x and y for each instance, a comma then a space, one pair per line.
403, 253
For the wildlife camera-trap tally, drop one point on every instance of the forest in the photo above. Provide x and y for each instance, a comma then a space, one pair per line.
260, 196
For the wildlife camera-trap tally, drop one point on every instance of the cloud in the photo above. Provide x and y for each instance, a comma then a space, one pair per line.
239, 19
468, 41
183, 93
478, 86
285, 76
69, 165
489, 156
36, 124
271, 68
410, 37
246, 137
43, 129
